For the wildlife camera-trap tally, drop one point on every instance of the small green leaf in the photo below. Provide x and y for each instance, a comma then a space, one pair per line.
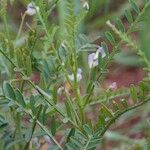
144, 87
71, 146
93, 74
11, 103
101, 121
87, 129
54, 94
101, 61
44, 115
76, 142
32, 104
28, 64
120, 25
89, 122
8, 91
71, 133
43, 83
106, 111
110, 37
53, 125
134, 6
3, 125
19, 57
19, 109
28, 135
81, 135
124, 103
133, 93
115, 106
68, 109
129, 16
105, 47
20, 99
93, 143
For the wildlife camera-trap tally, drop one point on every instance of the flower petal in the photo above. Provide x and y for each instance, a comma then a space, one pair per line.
31, 9
91, 59
101, 51
113, 86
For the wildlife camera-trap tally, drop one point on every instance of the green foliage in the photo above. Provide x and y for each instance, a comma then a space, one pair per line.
56, 96
85, 141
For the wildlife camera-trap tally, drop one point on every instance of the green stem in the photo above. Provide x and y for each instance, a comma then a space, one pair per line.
18, 124
33, 127
6, 27
41, 92
63, 68
21, 26
74, 111
75, 86
12, 63
49, 134
36, 121
121, 113
43, 23
87, 144
128, 32
123, 92
128, 41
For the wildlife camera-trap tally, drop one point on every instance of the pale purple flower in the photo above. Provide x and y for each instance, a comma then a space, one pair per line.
79, 75
48, 140
101, 51
32, 9
93, 58
92, 61
79, 71
35, 142
113, 86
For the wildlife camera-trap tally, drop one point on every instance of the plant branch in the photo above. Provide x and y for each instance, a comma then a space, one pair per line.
40, 91
121, 113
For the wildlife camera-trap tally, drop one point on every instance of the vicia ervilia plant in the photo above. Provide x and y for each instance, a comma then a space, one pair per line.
47, 90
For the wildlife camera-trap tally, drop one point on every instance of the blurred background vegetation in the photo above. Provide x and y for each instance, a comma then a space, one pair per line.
129, 131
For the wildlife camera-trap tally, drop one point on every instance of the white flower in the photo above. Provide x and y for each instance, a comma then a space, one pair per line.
63, 45
71, 77
32, 9
86, 5
113, 86
60, 90
93, 58
79, 75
